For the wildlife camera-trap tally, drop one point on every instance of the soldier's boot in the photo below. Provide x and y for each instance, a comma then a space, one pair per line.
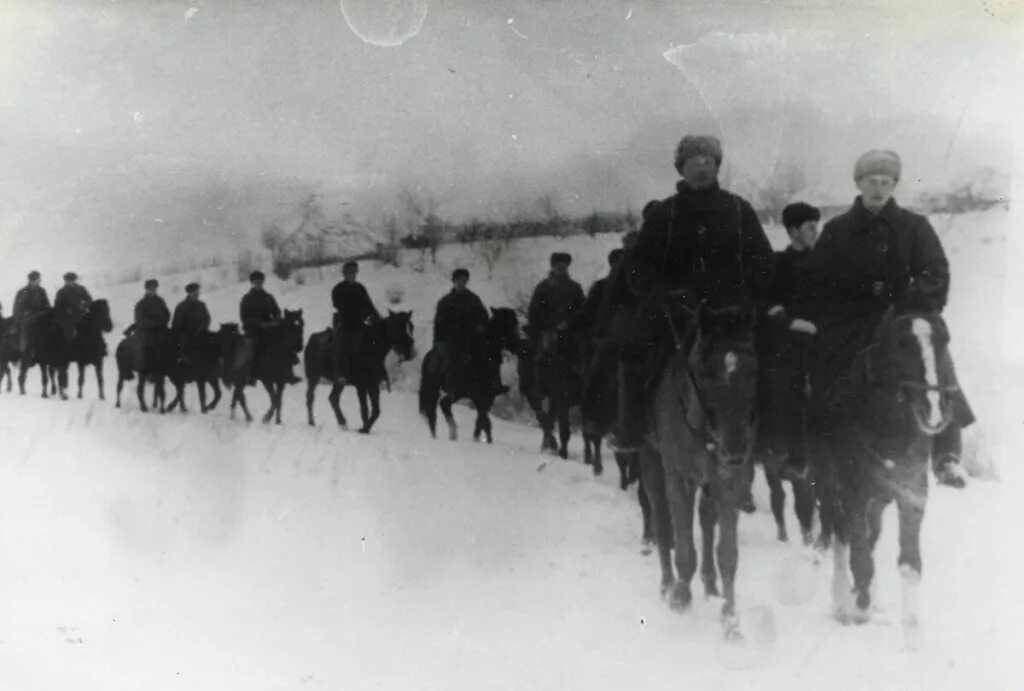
629, 429
947, 448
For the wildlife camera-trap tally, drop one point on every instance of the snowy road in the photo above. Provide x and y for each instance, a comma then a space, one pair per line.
195, 553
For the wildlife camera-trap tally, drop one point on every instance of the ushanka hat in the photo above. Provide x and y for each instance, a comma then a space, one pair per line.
257, 276
151, 283
192, 288
460, 273
33, 275
878, 162
561, 258
698, 145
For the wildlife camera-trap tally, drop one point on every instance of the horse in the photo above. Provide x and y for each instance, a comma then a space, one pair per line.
89, 348
201, 364
394, 332
51, 349
782, 424
8, 350
473, 378
160, 363
270, 364
895, 397
702, 421
550, 380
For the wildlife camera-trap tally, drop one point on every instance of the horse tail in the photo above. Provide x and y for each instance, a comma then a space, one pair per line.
124, 361
430, 385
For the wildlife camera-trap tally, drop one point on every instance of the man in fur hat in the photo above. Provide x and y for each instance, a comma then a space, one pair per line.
460, 324
874, 256
191, 318
259, 311
702, 241
554, 304
70, 304
151, 317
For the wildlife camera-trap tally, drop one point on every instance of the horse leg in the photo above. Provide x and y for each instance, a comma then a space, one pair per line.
160, 394
680, 494
279, 402
708, 513
215, 385
81, 378
99, 378
270, 392
911, 505
564, 431
364, 408
62, 381
240, 396
727, 506
645, 511
45, 380
598, 462
653, 484
22, 372
311, 383
446, 410
588, 449
803, 504
335, 400
120, 385
374, 393
778, 501
140, 391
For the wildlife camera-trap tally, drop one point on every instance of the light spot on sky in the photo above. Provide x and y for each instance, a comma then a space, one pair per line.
384, 23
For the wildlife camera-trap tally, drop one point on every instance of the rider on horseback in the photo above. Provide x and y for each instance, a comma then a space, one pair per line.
460, 324
191, 318
151, 317
70, 304
702, 241
28, 302
258, 312
354, 311
555, 306
874, 256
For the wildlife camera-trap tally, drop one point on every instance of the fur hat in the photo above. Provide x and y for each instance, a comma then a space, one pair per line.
463, 273
878, 162
33, 275
798, 213
649, 208
70, 276
561, 258
151, 283
698, 145
257, 276
615, 255
350, 265
192, 288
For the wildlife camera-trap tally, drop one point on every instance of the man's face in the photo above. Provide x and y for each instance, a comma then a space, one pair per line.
151, 290
876, 190
804, 235
700, 172
459, 283
350, 274
35, 282
194, 295
257, 284
560, 269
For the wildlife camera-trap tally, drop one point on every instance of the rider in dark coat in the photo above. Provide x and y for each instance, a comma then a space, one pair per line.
702, 241
460, 323
782, 380
875, 255
191, 318
258, 311
70, 304
555, 305
28, 302
151, 317
354, 310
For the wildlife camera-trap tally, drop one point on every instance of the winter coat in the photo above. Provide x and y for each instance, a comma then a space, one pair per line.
555, 301
353, 304
71, 303
459, 317
709, 242
864, 262
790, 271
257, 306
151, 313
191, 317
28, 301
593, 307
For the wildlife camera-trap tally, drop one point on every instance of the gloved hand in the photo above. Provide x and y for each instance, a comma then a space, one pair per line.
776, 310
803, 326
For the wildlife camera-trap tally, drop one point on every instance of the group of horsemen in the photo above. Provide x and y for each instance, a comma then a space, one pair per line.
703, 244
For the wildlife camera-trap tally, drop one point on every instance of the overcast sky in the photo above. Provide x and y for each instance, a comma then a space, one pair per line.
127, 127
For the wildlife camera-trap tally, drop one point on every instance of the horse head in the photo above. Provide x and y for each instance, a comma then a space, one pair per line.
504, 328
725, 370
99, 311
911, 369
292, 325
400, 334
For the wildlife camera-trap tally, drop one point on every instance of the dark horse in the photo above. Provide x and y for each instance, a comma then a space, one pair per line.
703, 419
473, 379
394, 332
200, 363
89, 347
270, 364
8, 349
161, 361
550, 379
51, 349
896, 396
782, 423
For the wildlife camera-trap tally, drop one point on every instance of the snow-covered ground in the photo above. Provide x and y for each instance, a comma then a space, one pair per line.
193, 552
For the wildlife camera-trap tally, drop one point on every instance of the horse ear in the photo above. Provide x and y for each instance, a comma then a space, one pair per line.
390, 313
492, 312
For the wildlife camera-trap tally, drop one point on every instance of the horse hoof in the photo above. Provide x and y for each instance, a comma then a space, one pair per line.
861, 615
364, 431
681, 598
563, 454
781, 535
711, 588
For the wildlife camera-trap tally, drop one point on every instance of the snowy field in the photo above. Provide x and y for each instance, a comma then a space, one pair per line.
193, 552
